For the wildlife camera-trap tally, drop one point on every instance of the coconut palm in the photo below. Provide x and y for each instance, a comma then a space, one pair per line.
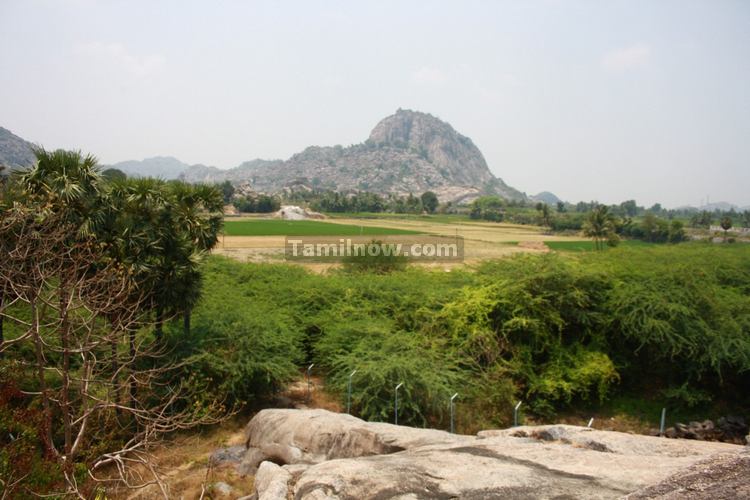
600, 226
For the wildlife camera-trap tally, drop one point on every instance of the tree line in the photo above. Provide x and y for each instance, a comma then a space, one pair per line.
560, 216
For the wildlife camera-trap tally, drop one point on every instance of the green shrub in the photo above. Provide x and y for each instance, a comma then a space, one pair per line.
572, 373
552, 330
238, 348
383, 360
377, 258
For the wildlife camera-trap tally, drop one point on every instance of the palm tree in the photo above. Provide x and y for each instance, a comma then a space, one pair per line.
600, 225
162, 231
137, 227
197, 223
69, 183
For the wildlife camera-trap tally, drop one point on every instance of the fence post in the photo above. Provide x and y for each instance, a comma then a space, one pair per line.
515, 414
349, 393
309, 382
663, 421
452, 411
395, 405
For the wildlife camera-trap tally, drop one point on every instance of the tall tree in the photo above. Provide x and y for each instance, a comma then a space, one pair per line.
629, 207
546, 219
196, 224
227, 191
726, 225
429, 201
600, 225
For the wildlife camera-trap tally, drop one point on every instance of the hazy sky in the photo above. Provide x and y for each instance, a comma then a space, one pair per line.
603, 100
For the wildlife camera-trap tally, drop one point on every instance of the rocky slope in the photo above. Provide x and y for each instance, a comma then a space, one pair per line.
316, 454
408, 152
14, 151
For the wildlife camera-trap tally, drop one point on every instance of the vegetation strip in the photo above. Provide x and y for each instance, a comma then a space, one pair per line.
272, 227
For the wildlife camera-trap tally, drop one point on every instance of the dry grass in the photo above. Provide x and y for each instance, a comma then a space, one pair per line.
184, 460
319, 398
482, 241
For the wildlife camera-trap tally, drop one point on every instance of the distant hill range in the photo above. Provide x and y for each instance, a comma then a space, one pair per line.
546, 197
408, 152
722, 206
15, 152
163, 167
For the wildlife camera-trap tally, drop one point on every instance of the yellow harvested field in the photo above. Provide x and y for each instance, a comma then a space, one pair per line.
475, 231
482, 240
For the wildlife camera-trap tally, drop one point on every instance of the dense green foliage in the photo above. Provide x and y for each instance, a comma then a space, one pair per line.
261, 204
489, 208
654, 229
335, 202
673, 322
240, 347
604, 224
429, 201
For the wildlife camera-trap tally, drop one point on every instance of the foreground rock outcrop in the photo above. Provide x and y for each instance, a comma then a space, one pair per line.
716, 478
316, 454
314, 436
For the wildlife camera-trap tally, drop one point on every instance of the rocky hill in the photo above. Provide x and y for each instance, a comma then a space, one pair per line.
164, 167
14, 151
546, 197
246, 172
408, 152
